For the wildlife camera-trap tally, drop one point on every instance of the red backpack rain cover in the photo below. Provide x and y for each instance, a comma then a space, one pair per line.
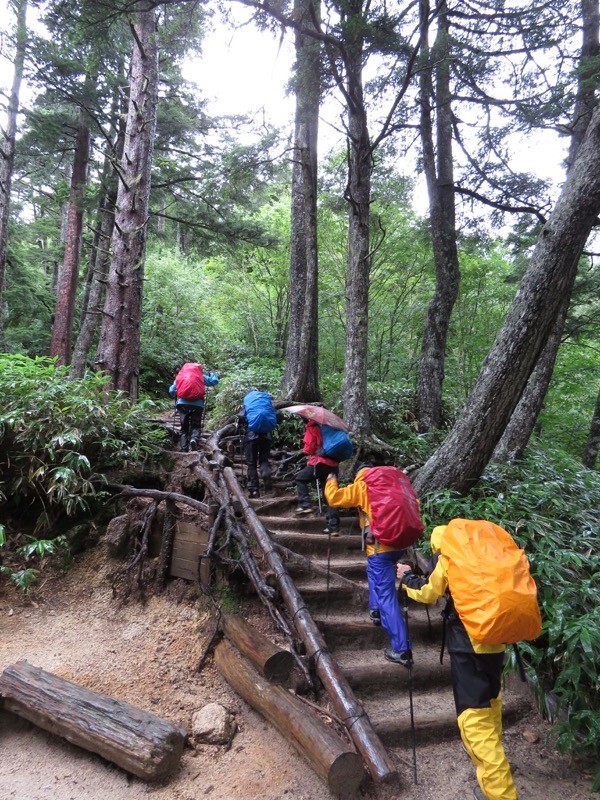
395, 520
189, 383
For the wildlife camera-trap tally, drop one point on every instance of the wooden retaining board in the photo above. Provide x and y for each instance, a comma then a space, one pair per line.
190, 542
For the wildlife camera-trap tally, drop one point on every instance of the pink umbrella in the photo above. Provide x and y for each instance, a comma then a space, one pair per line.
321, 415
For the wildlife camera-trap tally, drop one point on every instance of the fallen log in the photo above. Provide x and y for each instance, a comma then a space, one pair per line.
273, 663
332, 759
139, 742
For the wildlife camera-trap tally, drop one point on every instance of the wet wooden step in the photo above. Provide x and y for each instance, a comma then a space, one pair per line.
434, 715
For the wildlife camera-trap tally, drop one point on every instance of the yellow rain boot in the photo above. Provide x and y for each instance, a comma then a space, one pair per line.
481, 732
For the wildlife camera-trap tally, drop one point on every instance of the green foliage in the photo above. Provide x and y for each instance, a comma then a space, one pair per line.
237, 379
58, 435
552, 507
23, 579
42, 547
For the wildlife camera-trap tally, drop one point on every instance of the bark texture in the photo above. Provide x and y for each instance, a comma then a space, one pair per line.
274, 664
463, 456
7, 153
66, 290
119, 346
358, 196
522, 422
301, 377
442, 214
336, 763
92, 307
139, 742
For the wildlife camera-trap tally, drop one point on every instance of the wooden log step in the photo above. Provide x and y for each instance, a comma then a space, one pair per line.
356, 631
391, 719
335, 761
310, 543
315, 594
354, 568
310, 523
273, 663
373, 673
139, 742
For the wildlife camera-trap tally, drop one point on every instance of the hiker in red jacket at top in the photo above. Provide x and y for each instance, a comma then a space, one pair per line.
317, 469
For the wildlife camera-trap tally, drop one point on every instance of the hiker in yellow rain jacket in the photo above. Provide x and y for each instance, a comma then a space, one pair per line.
384, 608
476, 671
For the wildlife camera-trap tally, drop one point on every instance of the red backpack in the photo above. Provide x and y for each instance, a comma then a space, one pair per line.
189, 383
395, 519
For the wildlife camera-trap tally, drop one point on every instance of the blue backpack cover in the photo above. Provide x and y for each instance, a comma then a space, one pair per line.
260, 413
336, 443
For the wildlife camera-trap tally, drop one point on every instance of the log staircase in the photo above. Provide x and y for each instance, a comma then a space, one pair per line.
339, 608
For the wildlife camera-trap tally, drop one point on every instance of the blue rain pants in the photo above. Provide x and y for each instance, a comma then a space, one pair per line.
381, 575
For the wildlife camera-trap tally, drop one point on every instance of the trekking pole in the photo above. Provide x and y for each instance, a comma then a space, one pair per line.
410, 688
319, 495
328, 572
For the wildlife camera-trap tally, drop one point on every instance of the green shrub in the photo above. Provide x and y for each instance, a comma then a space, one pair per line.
551, 505
59, 436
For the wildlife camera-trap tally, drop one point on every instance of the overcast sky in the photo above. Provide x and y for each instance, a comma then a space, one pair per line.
245, 71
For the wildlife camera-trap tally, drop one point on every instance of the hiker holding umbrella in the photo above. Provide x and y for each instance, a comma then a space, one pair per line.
320, 422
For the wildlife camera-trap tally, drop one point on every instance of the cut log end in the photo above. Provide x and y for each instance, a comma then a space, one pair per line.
279, 667
346, 774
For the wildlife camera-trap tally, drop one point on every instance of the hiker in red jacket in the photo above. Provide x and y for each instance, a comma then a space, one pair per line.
316, 470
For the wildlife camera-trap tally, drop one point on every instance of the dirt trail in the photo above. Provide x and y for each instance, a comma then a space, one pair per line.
147, 656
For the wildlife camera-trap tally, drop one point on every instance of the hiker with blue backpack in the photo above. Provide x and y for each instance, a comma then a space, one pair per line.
491, 600
388, 511
318, 467
189, 391
258, 419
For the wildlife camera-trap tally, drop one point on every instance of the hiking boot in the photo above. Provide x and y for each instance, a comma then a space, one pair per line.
404, 658
375, 616
193, 445
332, 531
478, 794
253, 493
304, 510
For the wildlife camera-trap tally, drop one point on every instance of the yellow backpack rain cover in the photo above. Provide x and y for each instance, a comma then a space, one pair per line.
488, 577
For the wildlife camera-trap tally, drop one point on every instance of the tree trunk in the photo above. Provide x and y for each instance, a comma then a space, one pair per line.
593, 443
521, 425
66, 290
139, 742
119, 346
7, 153
358, 195
587, 76
463, 456
300, 378
440, 187
99, 266
339, 766
522, 422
